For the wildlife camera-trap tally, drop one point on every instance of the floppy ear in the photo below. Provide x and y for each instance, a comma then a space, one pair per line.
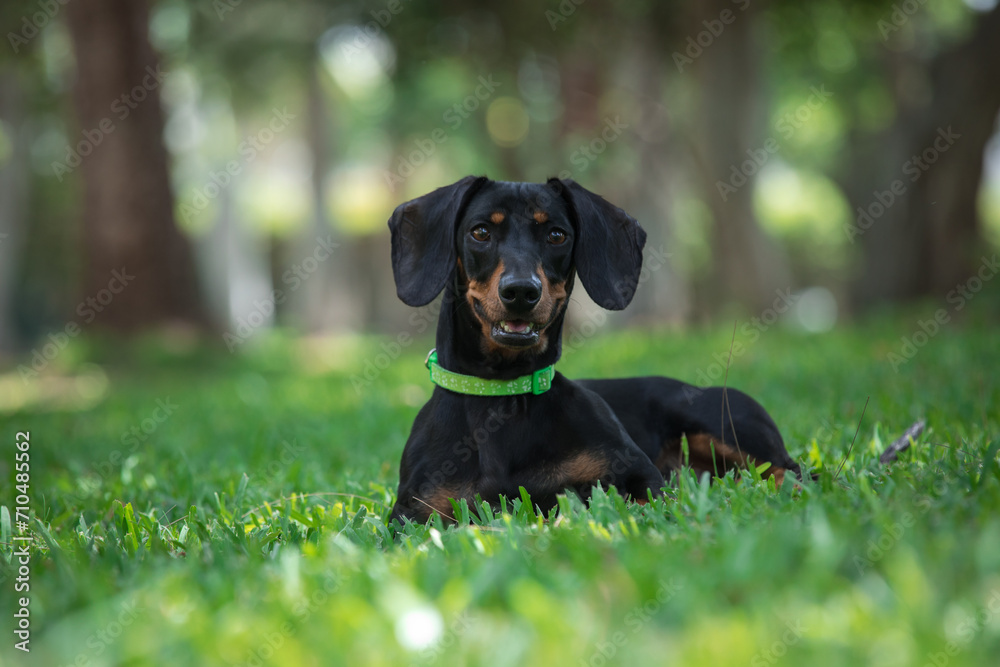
423, 240
608, 250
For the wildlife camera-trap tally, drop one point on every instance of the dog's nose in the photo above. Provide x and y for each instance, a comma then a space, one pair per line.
520, 293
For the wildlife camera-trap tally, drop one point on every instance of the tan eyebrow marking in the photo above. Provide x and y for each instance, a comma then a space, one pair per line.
540, 216
497, 217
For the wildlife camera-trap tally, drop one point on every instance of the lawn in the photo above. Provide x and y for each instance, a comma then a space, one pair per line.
199, 508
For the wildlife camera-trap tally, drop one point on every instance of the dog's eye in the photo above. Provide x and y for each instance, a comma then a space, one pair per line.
557, 237
480, 233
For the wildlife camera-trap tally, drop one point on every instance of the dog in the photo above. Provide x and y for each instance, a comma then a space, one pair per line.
506, 255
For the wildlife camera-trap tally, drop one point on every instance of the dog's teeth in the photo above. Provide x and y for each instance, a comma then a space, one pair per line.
522, 327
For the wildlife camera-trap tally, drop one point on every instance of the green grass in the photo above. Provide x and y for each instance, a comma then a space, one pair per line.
247, 527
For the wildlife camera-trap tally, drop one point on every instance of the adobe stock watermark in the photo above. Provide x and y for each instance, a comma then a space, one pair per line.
926, 329
878, 548
585, 154
293, 278
120, 110
289, 453
248, 149
786, 126
464, 449
272, 642
577, 336
779, 648
714, 28
373, 366
33, 24
748, 334
363, 35
458, 627
565, 10
453, 117
223, 7
140, 433
635, 620
88, 309
137, 434
419, 321
827, 429
100, 641
965, 631
20, 555
915, 167
531, 549
900, 15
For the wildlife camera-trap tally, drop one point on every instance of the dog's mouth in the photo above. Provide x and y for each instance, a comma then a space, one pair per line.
516, 333
510, 332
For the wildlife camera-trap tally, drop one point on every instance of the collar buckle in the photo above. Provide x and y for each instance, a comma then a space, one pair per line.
541, 380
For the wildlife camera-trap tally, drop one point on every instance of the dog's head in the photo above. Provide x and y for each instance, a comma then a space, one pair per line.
514, 249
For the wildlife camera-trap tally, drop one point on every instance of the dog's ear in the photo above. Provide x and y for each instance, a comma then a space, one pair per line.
423, 240
608, 250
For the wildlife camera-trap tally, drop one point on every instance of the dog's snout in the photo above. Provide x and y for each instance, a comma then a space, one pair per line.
520, 293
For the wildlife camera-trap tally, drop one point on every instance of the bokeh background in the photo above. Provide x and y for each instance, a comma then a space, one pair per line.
238, 160
199, 330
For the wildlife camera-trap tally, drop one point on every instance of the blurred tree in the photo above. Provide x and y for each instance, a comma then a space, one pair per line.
699, 88
729, 126
132, 244
914, 186
14, 184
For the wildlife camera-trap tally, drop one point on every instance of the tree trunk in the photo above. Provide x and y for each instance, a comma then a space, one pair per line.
663, 290
328, 300
924, 243
748, 266
14, 169
139, 271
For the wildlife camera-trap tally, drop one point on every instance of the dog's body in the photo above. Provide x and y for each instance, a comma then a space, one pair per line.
506, 255
724, 428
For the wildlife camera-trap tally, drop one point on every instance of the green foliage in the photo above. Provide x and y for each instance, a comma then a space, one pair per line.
248, 526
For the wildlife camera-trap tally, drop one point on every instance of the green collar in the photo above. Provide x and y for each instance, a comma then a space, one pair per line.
538, 382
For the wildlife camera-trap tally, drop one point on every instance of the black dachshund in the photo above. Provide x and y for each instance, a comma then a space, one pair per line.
506, 255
